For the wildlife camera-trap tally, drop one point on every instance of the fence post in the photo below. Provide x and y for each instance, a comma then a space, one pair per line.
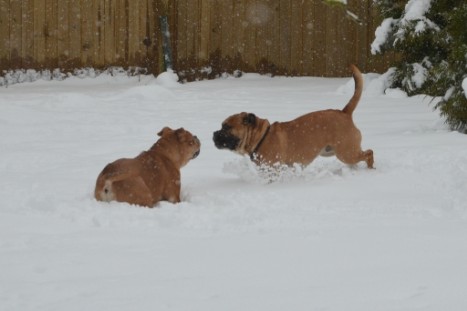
166, 49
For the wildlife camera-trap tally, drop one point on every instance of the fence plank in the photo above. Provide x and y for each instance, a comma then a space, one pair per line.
296, 43
250, 51
133, 31
109, 31
39, 32
182, 48
319, 38
307, 37
50, 34
121, 32
141, 20
155, 9
364, 45
216, 28
27, 37
192, 31
261, 20
134, 53
15, 33
227, 25
285, 34
238, 25
204, 31
4, 34
98, 36
274, 53
63, 42
74, 35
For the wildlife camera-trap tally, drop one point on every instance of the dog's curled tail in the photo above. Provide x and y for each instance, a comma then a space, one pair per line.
104, 191
352, 104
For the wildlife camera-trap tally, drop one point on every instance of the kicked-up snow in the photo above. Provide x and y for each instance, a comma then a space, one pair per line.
327, 237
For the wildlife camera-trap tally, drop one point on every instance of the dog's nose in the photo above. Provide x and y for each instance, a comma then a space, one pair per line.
216, 137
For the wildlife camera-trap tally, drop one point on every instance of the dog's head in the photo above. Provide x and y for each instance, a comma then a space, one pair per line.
239, 133
188, 145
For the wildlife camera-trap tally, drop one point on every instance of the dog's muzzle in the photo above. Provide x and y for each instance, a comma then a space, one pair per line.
196, 154
224, 140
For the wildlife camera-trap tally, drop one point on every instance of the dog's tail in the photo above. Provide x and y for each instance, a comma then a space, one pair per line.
104, 190
352, 104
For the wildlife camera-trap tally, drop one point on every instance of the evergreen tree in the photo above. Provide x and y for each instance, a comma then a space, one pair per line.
431, 39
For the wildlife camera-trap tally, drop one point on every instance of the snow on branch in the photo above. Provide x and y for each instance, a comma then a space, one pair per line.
343, 3
393, 29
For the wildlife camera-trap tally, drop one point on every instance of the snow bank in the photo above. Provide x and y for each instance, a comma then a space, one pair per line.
12, 77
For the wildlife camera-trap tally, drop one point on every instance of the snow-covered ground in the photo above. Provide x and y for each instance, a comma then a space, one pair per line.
329, 237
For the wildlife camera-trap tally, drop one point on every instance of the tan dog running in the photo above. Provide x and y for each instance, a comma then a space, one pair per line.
300, 141
152, 176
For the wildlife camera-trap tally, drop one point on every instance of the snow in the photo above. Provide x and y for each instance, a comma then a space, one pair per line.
338, 1
329, 237
414, 11
381, 34
419, 76
464, 86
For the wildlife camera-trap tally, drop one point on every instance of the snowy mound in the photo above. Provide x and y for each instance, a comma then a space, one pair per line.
168, 79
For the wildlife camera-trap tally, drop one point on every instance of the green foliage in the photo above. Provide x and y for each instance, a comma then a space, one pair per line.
390, 8
454, 109
433, 53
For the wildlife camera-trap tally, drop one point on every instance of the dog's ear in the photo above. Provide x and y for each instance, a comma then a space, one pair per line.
249, 119
181, 134
164, 131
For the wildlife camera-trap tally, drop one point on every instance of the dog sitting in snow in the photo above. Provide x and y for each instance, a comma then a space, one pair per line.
152, 176
300, 141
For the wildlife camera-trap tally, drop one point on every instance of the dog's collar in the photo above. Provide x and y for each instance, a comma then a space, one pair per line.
253, 153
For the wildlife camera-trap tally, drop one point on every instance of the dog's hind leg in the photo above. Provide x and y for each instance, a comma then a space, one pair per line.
134, 191
353, 156
368, 157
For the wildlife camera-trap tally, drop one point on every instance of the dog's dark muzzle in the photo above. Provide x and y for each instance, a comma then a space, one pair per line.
224, 140
196, 154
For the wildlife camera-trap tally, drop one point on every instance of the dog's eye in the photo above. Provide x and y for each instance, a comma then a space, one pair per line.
226, 127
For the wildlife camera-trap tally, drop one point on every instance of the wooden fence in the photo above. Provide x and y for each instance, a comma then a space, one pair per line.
287, 37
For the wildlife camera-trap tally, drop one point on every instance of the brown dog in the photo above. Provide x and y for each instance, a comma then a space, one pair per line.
300, 141
152, 176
